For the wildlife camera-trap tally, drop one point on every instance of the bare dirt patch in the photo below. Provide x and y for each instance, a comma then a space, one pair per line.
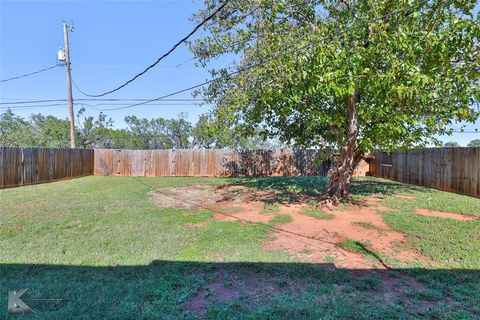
374, 202
214, 291
319, 238
252, 285
446, 215
186, 196
230, 285
307, 238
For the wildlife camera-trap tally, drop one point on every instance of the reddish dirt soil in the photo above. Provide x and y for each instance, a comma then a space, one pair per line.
317, 239
447, 215
212, 291
307, 238
237, 284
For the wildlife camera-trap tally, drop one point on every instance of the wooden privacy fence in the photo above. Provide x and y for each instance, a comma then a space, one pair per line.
208, 162
448, 169
22, 166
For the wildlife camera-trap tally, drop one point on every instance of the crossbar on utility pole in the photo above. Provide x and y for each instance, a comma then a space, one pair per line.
69, 85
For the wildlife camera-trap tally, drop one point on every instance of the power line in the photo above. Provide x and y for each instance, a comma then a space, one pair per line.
147, 101
175, 46
33, 101
153, 104
467, 131
29, 74
272, 57
171, 94
20, 107
34, 106
112, 100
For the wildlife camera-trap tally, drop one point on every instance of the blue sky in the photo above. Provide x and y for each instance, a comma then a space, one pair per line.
112, 41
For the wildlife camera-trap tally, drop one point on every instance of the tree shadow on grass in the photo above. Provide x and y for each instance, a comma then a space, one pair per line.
185, 290
303, 188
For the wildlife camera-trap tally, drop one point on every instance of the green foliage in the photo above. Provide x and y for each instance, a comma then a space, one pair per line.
280, 218
141, 133
354, 246
214, 132
451, 144
159, 133
14, 130
318, 214
413, 65
49, 131
474, 143
91, 132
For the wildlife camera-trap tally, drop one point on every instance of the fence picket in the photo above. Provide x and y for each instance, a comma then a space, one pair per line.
449, 169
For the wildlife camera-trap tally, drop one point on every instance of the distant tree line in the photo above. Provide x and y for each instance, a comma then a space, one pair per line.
141, 133
454, 144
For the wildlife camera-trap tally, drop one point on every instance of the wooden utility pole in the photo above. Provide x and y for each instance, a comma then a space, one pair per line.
69, 85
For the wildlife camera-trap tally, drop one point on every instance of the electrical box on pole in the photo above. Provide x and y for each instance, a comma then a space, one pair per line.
61, 56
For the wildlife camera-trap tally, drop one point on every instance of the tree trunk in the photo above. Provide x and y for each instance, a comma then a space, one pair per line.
338, 184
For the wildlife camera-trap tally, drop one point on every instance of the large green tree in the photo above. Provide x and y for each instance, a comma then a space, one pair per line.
49, 131
212, 132
160, 133
91, 132
345, 76
14, 130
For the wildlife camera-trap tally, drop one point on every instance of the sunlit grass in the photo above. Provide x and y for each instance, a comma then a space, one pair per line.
100, 244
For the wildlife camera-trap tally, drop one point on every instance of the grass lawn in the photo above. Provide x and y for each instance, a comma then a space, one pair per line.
102, 246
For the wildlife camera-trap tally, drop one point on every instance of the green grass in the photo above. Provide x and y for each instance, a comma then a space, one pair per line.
317, 214
270, 208
354, 246
281, 218
359, 247
103, 247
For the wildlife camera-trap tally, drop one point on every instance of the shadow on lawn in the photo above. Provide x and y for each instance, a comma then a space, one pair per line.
176, 290
299, 189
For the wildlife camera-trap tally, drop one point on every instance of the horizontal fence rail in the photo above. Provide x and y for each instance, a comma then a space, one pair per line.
210, 162
448, 169
23, 166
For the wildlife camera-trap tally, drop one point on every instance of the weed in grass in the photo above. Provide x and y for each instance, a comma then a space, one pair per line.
359, 247
280, 219
270, 208
282, 283
307, 251
429, 294
368, 225
317, 214
370, 282
329, 259
354, 246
